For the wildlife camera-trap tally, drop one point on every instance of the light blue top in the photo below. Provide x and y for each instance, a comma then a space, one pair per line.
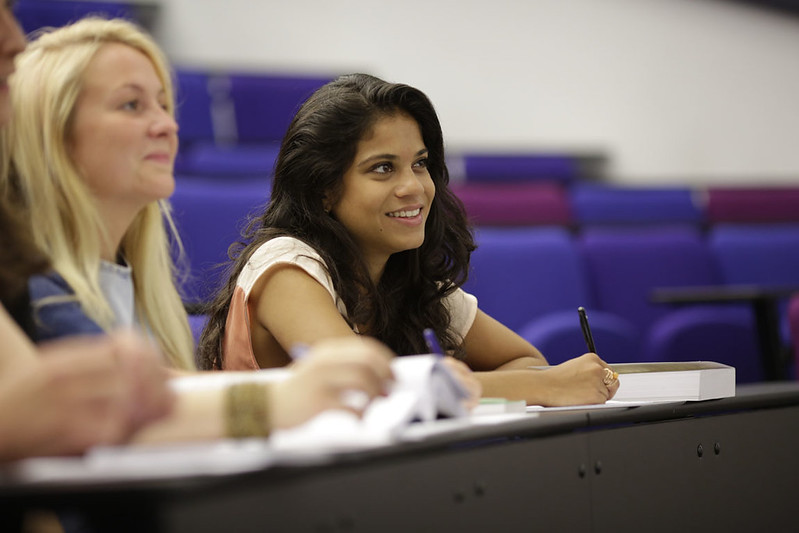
65, 317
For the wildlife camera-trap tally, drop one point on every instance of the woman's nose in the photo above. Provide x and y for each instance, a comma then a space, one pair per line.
164, 123
410, 183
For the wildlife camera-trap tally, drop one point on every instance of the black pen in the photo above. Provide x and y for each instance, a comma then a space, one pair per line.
589, 339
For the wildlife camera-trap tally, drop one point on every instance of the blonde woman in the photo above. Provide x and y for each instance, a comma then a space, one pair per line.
93, 140
92, 143
81, 392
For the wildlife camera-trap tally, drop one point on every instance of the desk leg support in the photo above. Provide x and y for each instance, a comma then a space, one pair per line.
768, 329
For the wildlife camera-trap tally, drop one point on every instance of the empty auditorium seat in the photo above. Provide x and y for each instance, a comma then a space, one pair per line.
210, 215
193, 106
510, 167
765, 256
532, 280
229, 161
35, 14
595, 204
625, 265
265, 104
752, 204
515, 203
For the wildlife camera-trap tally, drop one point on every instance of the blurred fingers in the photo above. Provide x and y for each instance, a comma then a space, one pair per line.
147, 377
467, 379
613, 388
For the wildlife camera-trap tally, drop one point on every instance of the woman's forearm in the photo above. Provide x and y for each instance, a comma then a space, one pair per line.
515, 384
196, 415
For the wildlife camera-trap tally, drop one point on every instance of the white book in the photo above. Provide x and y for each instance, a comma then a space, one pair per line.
681, 381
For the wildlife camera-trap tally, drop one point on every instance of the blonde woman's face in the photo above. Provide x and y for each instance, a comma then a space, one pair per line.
11, 43
123, 140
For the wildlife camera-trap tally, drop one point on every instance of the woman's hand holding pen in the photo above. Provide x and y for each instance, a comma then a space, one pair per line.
580, 381
459, 369
328, 376
467, 378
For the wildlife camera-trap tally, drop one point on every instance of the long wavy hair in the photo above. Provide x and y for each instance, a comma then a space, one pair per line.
319, 146
63, 215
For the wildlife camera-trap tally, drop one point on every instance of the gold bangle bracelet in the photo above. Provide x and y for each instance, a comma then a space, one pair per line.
246, 412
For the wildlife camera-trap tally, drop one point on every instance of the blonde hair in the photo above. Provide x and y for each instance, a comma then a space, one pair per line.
66, 222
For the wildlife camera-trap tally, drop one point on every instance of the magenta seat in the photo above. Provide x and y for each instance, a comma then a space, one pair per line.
515, 203
752, 204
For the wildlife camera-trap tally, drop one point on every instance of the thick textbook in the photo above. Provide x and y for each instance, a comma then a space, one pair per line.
682, 381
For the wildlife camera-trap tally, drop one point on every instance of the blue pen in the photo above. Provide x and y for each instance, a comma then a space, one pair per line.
432, 342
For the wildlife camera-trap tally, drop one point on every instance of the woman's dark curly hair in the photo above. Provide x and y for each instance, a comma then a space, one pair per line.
319, 147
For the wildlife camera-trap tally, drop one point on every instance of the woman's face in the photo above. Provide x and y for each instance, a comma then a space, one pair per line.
387, 191
123, 140
12, 43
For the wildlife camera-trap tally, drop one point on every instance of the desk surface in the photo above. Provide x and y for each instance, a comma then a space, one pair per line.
559, 470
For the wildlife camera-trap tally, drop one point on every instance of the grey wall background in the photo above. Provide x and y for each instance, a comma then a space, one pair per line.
674, 91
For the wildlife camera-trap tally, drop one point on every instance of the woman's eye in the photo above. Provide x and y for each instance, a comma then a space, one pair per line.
382, 168
422, 163
132, 105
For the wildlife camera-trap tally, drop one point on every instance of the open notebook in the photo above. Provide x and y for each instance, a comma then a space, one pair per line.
424, 390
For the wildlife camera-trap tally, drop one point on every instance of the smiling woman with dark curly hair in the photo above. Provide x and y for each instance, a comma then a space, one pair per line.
362, 235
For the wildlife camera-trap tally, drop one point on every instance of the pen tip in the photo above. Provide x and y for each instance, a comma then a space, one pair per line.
581, 309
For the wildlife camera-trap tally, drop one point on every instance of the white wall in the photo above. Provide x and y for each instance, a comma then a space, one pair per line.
695, 91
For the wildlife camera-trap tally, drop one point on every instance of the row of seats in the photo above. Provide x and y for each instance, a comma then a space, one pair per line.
231, 124
581, 204
35, 14
533, 280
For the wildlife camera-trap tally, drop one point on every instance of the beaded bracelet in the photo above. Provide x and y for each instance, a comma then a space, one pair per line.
246, 413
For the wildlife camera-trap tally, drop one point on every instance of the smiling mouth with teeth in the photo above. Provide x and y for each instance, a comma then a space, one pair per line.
405, 214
